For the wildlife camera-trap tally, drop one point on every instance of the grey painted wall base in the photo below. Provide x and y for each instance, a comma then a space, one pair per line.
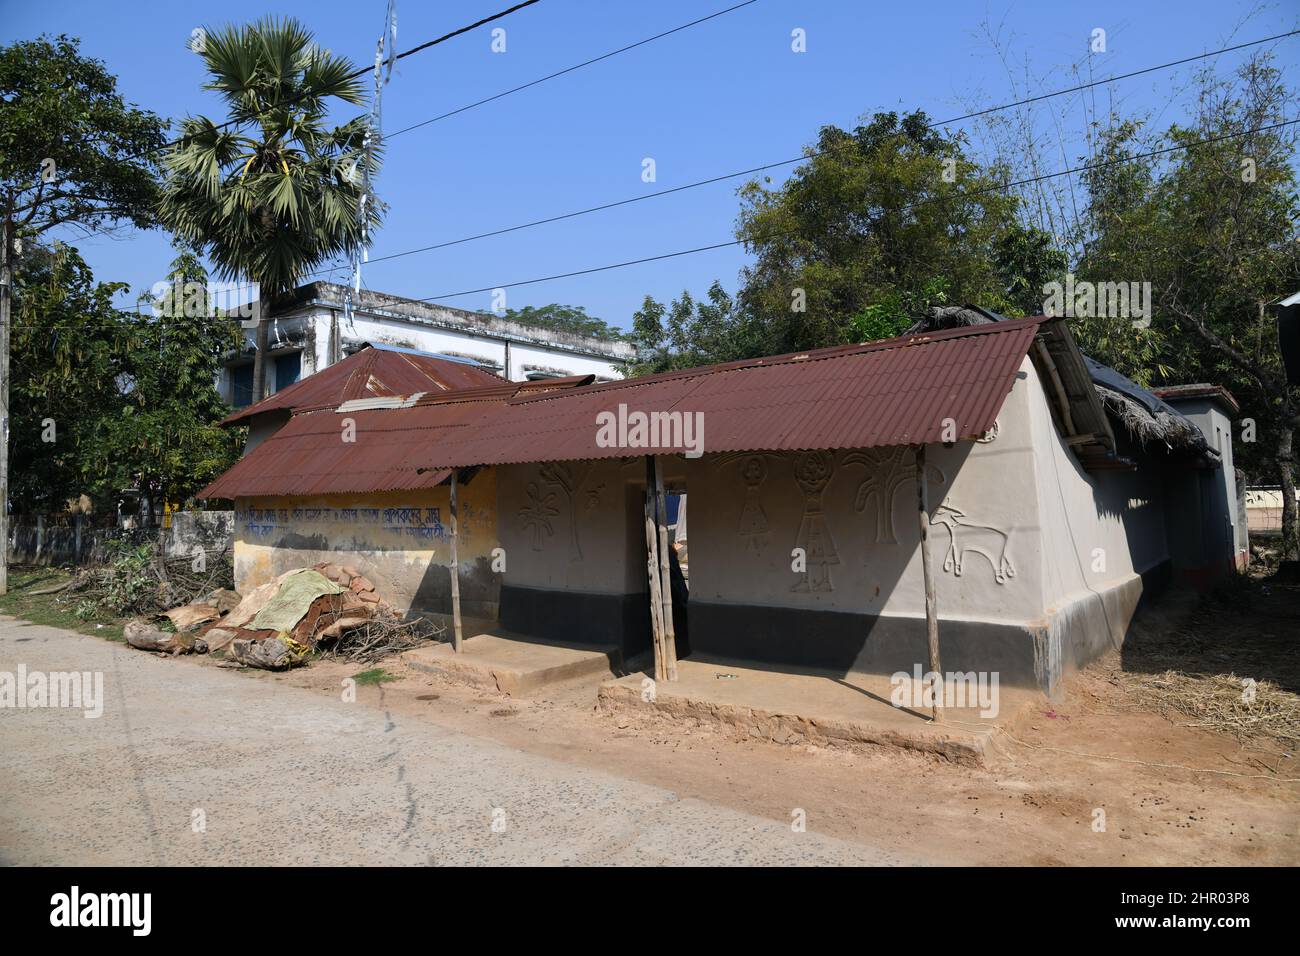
1083, 630
844, 641
576, 617
1023, 655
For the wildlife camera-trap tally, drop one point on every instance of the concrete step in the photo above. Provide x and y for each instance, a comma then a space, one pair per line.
795, 706
515, 664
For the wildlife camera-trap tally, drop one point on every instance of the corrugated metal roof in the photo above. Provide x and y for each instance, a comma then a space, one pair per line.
373, 372
894, 392
1198, 390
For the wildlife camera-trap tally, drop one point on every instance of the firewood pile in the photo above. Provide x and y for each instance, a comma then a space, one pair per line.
329, 609
140, 580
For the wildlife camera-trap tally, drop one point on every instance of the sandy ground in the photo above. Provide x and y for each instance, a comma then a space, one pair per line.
1029, 805
1170, 794
191, 764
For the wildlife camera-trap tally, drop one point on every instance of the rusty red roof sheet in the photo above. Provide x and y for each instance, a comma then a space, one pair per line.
1198, 390
373, 372
894, 392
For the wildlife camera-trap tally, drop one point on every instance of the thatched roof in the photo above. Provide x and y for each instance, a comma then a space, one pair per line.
1142, 414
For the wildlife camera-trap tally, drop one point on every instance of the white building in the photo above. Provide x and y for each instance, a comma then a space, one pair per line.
312, 333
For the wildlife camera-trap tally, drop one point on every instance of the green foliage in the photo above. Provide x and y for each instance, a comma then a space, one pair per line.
1217, 245
863, 229
57, 105
51, 609
128, 398
877, 226
277, 192
895, 311
572, 319
689, 332
1026, 259
126, 584
166, 438
375, 675
65, 352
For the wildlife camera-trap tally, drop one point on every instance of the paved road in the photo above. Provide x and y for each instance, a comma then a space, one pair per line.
287, 776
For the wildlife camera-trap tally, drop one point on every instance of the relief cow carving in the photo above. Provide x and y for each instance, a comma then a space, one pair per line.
964, 536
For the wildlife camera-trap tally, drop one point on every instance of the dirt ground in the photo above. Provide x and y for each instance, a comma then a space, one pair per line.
1107, 773
1171, 794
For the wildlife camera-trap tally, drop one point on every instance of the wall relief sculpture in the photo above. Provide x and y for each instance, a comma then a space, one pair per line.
812, 471
753, 528
965, 537
889, 471
568, 478
752, 525
537, 514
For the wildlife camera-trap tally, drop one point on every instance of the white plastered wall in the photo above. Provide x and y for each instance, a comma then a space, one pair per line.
992, 485
1100, 532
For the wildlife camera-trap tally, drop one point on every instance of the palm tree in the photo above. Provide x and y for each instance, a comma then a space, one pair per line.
272, 192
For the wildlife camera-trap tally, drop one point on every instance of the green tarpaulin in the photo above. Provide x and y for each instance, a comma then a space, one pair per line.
293, 600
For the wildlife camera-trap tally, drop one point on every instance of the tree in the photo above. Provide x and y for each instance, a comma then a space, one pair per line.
164, 436
273, 192
73, 154
109, 400
572, 319
877, 226
66, 345
892, 215
690, 332
1027, 259
1215, 231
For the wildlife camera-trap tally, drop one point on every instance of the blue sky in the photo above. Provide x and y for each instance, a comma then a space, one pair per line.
722, 96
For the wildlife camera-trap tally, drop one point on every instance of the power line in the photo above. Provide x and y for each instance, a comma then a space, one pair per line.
1087, 167
785, 162
567, 70
976, 192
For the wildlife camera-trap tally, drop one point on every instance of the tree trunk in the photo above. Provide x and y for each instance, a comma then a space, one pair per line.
259, 363
1286, 478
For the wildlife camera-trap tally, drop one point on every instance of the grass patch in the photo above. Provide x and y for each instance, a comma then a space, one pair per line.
48, 609
376, 675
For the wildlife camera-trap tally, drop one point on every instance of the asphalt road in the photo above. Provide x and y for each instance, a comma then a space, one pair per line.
195, 765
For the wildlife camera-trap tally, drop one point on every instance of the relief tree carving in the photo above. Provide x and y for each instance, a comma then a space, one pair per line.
889, 470
568, 477
537, 514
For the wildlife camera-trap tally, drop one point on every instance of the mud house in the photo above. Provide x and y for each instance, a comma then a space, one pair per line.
1050, 500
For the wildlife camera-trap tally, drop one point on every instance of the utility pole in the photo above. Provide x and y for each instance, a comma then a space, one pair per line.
6, 239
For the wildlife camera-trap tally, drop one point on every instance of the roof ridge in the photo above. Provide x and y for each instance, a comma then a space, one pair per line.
811, 355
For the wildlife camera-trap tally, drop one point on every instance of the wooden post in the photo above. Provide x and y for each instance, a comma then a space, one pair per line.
931, 612
653, 574
458, 638
665, 574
